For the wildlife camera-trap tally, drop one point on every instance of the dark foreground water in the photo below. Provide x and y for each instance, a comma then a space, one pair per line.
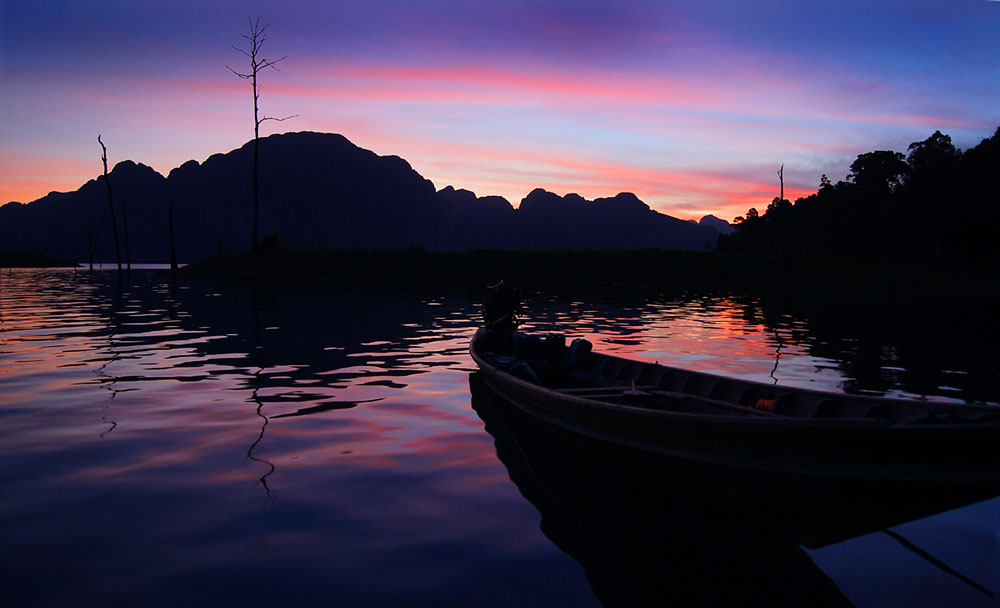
196, 444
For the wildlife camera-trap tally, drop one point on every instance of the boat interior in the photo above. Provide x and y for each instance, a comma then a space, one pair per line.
574, 370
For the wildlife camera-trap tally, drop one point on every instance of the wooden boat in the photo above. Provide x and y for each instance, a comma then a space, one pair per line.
670, 534
664, 411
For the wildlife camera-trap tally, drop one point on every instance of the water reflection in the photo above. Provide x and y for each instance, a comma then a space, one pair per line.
935, 345
639, 539
669, 532
189, 421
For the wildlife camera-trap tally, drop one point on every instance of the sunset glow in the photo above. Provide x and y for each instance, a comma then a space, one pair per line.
691, 109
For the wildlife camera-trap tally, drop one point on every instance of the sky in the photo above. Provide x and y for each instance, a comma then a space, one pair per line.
693, 105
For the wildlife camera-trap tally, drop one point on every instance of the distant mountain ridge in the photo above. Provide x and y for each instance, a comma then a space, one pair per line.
321, 190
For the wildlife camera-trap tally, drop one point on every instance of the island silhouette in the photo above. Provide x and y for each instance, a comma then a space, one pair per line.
319, 190
931, 210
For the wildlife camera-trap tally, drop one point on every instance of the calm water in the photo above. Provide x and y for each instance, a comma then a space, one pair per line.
198, 443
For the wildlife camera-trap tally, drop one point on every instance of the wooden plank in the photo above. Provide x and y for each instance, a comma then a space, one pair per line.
715, 402
583, 390
599, 393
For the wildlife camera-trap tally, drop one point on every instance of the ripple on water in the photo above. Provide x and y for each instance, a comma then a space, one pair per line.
175, 441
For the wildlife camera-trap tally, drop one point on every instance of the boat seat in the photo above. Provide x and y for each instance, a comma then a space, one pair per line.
650, 375
841, 408
721, 391
828, 408
666, 379
880, 411
630, 372
524, 370
614, 369
790, 404
796, 406
749, 396
692, 385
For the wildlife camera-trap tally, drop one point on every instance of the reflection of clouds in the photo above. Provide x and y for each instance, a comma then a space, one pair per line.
329, 349
827, 341
204, 416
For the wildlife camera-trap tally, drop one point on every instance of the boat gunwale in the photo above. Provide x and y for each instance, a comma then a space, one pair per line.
770, 422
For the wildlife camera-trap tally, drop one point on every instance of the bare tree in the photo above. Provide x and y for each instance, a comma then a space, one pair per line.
170, 223
128, 248
256, 37
111, 206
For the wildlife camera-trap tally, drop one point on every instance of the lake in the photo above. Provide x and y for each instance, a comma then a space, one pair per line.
187, 442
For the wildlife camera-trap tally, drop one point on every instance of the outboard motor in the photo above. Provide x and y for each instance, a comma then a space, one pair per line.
501, 309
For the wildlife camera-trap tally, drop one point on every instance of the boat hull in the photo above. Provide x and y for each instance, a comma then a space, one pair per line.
851, 448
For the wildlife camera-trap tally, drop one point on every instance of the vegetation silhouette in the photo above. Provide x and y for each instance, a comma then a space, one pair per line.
898, 216
933, 208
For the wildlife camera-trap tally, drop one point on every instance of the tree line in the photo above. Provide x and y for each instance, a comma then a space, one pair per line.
935, 207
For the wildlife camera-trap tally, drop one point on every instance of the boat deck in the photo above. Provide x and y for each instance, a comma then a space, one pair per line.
577, 372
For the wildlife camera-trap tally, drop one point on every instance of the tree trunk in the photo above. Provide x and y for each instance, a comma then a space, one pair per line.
781, 221
92, 241
256, 155
128, 248
111, 205
253, 242
173, 250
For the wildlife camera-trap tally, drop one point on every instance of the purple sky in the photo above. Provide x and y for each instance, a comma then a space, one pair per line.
692, 105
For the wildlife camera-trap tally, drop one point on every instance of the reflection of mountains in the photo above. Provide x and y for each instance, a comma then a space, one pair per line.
685, 534
301, 351
319, 340
926, 342
880, 340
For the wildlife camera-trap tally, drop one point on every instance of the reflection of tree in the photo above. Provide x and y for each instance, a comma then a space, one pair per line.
109, 381
258, 352
260, 436
320, 329
2, 327
881, 342
777, 355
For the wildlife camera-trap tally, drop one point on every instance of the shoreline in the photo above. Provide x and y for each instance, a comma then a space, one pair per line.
600, 269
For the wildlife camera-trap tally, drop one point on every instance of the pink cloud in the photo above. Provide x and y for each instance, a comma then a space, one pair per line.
507, 130
686, 193
25, 178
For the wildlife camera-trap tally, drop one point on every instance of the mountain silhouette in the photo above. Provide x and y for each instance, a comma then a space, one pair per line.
721, 225
321, 190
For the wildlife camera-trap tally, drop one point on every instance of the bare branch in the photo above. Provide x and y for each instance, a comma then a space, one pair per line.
242, 51
277, 119
237, 73
270, 64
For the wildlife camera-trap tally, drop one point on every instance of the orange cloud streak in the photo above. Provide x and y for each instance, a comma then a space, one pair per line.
26, 178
